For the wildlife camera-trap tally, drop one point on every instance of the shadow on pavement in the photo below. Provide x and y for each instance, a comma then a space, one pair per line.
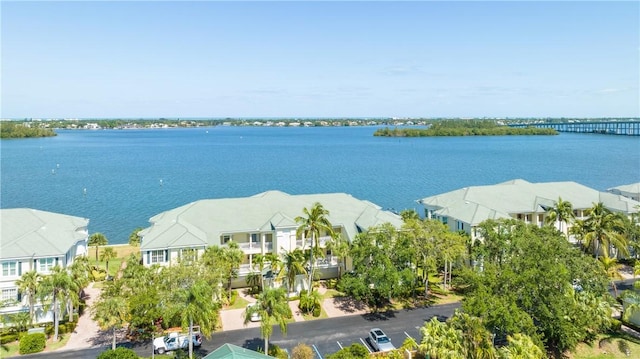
386, 315
255, 344
349, 305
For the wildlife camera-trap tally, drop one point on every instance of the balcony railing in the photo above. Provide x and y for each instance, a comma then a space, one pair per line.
255, 246
322, 242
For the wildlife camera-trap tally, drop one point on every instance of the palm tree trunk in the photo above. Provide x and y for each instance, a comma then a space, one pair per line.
266, 345
444, 282
311, 263
190, 338
55, 318
113, 343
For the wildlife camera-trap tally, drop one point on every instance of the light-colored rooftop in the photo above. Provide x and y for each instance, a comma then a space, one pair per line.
478, 203
627, 188
230, 351
31, 233
201, 223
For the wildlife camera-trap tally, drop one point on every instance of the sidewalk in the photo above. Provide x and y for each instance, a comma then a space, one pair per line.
233, 319
87, 333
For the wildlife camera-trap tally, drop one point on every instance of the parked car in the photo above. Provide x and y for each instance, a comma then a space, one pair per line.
255, 317
175, 341
380, 341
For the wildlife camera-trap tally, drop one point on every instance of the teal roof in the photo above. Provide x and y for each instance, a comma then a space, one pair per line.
230, 351
201, 223
30, 233
477, 203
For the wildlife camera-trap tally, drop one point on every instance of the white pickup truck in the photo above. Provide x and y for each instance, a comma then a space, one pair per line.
174, 341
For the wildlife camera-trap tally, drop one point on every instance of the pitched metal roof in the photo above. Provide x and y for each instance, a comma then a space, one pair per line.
30, 233
230, 351
627, 188
201, 223
475, 204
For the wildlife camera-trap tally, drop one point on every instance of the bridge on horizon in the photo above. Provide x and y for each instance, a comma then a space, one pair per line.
626, 128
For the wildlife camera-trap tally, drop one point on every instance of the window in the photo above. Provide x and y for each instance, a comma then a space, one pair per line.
460, 225
188, 254
9, 294
45, 264
445, 220
255, 238
527, 218
157, 256
9, 269
225, 239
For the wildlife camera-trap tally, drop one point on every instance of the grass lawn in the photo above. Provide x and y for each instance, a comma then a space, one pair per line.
607, 346
332, 293
323, 315
240, 303
123, 251
12, 349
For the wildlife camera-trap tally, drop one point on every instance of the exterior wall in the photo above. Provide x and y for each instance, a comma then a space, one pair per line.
9, 294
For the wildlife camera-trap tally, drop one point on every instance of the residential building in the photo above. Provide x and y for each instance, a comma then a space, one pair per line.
630, 191
260, 224
464, 209
31, 239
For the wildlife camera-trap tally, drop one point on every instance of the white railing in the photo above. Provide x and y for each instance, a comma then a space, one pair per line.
322, 242
255, 246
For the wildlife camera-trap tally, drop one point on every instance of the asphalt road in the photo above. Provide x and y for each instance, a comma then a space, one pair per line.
324, 334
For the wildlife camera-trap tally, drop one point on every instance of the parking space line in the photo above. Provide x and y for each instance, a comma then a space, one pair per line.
340, 345
408, 336
366, 346
317, 352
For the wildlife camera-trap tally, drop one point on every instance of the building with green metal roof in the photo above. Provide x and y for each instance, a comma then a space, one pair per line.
37, 240
260, 224
465, 208
230, 351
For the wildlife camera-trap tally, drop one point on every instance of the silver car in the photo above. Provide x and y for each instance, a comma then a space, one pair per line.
380, 341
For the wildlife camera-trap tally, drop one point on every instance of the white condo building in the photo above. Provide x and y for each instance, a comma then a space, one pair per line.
35, 240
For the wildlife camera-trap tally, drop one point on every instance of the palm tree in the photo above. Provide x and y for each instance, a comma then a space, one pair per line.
111, 313
340, 248
79, 271
477, 340
604, 230
97, 240
440, 340
293, 265
134, 237
561, 213
521, 346
106, 255
56, 287
612, 268
271, 306
29, 285
311, 225
193, 304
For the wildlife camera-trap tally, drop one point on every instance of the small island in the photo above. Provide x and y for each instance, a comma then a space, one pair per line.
19, 130
464, 128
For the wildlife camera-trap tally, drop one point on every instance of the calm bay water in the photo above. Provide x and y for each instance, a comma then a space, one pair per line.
131, 175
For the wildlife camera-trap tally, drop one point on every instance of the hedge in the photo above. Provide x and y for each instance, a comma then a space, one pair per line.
32, 343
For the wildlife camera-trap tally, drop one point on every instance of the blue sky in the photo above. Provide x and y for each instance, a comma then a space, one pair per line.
320, 59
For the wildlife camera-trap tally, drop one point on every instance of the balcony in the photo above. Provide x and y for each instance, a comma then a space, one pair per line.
322, 242
255, 247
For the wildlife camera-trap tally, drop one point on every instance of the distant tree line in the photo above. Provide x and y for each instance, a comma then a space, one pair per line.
463, 128
19, 130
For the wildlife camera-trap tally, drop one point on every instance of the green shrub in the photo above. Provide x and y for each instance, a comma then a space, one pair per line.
302, 351
277, 352
615, 324
317, 311
32, 343
234, 296
6, 338
119, 353
354, 351
331, 283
